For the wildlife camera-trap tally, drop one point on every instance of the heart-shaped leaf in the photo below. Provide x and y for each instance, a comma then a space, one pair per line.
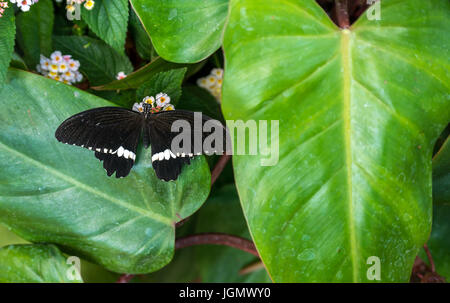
37, 263
51, 192
359, 111
183, 31
8, 30
109, 19
98, 61
34, 32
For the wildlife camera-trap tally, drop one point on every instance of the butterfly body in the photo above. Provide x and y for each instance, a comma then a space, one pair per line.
113, 133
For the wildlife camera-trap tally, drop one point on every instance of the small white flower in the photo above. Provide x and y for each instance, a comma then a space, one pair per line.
168, 107
149, 100
202, 82
52, 75
120, 76
89, 4
44, 63
12, 1
69, 76
24, 5
211, 81
162, 99
218, 72
74, 65
53, 67
137, 107
63, 67
56, 57
70, 8
78, 76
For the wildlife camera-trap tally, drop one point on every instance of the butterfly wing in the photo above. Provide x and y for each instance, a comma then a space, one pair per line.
167, 161
112, 132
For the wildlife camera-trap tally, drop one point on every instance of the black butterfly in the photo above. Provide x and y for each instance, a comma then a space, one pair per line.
114, 132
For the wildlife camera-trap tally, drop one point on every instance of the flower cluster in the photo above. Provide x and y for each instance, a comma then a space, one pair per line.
88, 4
120, 76
3, 5
60, 67
24, 5
213, 82
162, 102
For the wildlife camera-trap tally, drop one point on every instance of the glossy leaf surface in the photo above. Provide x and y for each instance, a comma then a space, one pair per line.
359, 112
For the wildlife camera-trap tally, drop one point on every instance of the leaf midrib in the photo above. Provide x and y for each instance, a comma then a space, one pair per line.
347, 74
88, 188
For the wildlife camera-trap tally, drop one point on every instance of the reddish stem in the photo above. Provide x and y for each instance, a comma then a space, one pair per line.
125, 278
430, 258
217, 239
341, 13
220, 165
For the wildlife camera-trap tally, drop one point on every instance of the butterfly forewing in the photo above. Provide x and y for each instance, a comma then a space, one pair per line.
112, 132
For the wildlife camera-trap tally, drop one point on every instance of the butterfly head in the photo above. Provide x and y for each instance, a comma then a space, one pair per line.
152, 105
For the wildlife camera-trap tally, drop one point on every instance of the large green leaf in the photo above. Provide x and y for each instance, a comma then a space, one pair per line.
98, 61
359, 111
37, 263
109, 19
34, 32
8, 30
58, 193
183, 31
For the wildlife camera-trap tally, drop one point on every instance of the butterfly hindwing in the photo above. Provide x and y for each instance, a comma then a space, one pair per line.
167, 161
112, 132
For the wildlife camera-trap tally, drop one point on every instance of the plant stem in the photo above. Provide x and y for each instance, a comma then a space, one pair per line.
430, 258
125, 278
220, 165
207, 238
341, 13
217, 239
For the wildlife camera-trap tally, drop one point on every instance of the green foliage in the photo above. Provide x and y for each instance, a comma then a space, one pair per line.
438, 242
441, 175
99, 62
108, 20
142, 75
143, 43
38, 263
34, 32
183, 31
355, 142
127, 225
8, 30
359, 112
168, 82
